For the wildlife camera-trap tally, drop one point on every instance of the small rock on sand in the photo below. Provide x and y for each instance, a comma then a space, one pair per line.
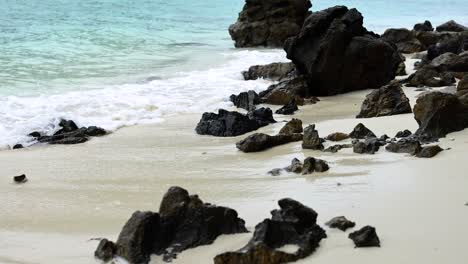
20, 179
365, 237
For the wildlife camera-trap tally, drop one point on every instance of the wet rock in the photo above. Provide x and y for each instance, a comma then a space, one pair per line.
426, 26
259, 141
67, 126
451, 26
401, 71
311, 139
404, 39
341, 223
368, 146
336, 148
296, 166
386, 101
94, 131
403, 133
293, 126
439, 114
293, 224
314, 165
285, 91
288, 109
106, 250
69, 133
245, 100
275, 172
365, 237
229, 124
18, 146
430, 77
360, 132
404, 145
429, 151
35, 134
337, 136
268, 23
336, 54
20, 179
274, 71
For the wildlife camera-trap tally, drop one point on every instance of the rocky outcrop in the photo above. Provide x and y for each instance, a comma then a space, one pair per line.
439, 114
361, 132
259, 141
287, 90
268, 23
386, 101
404, 39
312, 164
341, 223
403, 133
311, 139
404, 145
336, 54
291, 127
276, 71
429, 151
365, 237
425, 26
368, 146
451, 26
183, 222
245, 100
427, 76
229, 124
293, 224
288, 109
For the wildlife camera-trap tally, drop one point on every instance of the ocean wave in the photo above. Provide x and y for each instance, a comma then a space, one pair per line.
116, 106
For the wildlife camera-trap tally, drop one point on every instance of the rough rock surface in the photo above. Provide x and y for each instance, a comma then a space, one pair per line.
365, 237
451, 26
229, 124
288, 109
291, 127
404, 145
403, 133
341, 223
183, 222
106, 250
311, 139
274, 71
259, 141
245, 100
296, 166
427, 76
404, 39
293, 224
338, 147
268, 23
314, 165
336, 54
337, 136
439, 114
360, 132
429, 151
290, 89
386, 101
425, 26
368, 146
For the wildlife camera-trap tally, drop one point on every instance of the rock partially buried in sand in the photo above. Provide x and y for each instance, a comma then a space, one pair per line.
293, 224
429, 151
20, 179
404, 145
341, 223
365, 237
288, 109
311, 139
386, 101
361, 132
259, 141
18, 146
296, 166
293, 126
368, 146
338, 147
337, 136
183, 222
314, 165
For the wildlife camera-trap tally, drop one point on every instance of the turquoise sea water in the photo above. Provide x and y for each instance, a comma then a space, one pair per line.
92, 60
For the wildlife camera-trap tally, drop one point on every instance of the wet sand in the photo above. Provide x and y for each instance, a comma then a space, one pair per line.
88, 191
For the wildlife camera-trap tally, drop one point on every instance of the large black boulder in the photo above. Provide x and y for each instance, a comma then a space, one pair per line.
451, 26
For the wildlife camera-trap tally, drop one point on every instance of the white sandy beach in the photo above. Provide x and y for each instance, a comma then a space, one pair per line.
86, 191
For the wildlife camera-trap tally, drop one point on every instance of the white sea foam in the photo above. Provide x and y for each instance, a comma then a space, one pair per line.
129, 104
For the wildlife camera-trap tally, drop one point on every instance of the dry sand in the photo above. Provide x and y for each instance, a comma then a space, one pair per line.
87, 191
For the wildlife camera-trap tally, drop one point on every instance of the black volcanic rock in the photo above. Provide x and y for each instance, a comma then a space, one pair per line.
451, 26
20, 179
259, 141
365, 237
429, 151
404, 39
425, 26
361, 132
288, 109
245, 100
274, 71
311, 139
340, 222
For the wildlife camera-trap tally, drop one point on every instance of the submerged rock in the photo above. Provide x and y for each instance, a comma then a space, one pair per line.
229, 124
311, 139
288, 109
259, 141
429, 151
360, 132
245, 100
293, 224
292, 127
365, 237
341, 223
274, 71
386, 101
336, 54
20, 179
268, 23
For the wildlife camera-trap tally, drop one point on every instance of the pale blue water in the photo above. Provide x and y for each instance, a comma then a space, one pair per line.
89, 59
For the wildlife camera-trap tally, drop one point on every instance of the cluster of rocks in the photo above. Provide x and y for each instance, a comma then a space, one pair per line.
309, 166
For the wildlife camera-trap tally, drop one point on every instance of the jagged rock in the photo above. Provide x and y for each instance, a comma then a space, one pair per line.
183, 222
20, 179
454, 43
287, 90
360, 132
311, 139
426, 26
288, 109
293, 224
401, 71
106, 250
292, 127
268, 23
429, 151
336, 148
259, 141
451, 26
430, 77
67, 126
404, 145
296, 166
337, 136
336, 54
403, 133
429, 38
439, 114
442, 60
274, 71
386, 101
341, 223
245, 100
368, 146
404, 39
365, 237
463, 84
312, 164
229, 124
